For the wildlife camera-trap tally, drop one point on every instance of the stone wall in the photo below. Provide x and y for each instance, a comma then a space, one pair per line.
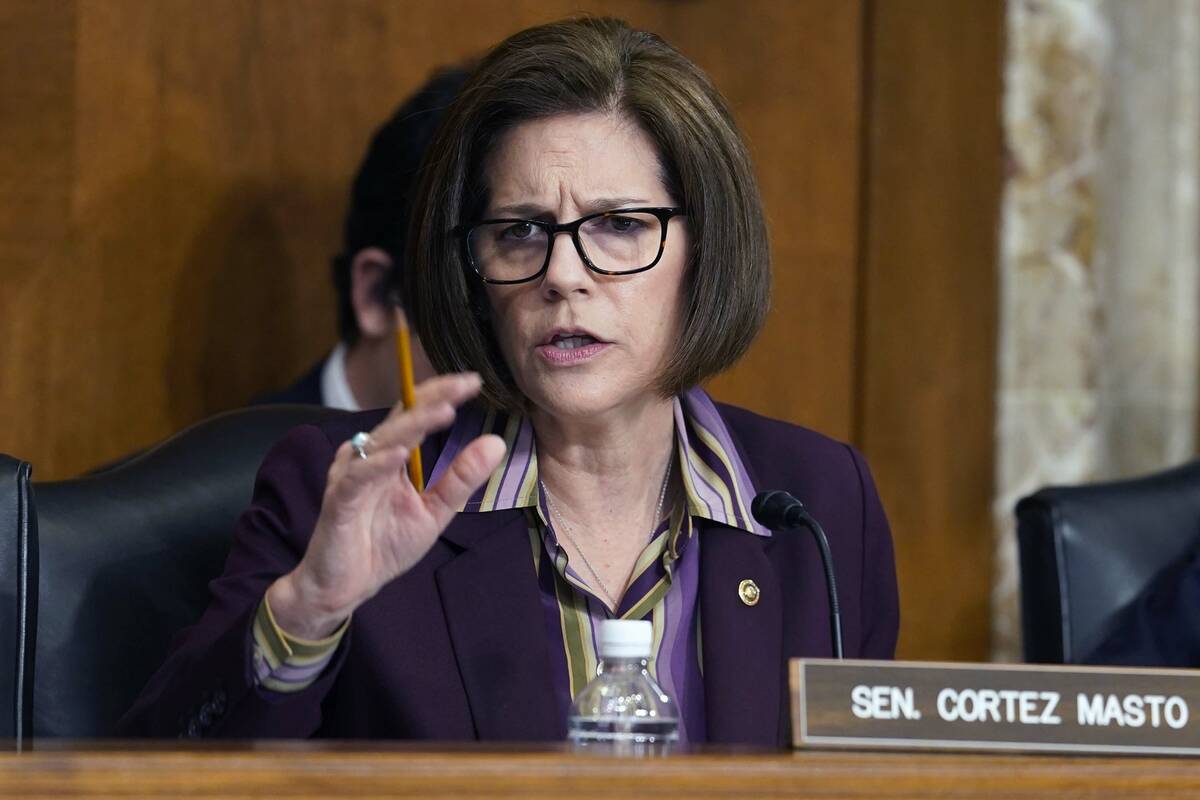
1098, 324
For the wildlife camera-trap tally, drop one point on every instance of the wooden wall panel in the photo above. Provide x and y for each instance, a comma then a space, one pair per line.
792, 72
212, 146
173, 175
933, 162
36, 172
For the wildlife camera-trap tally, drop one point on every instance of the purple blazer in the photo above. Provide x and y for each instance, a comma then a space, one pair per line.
456, 648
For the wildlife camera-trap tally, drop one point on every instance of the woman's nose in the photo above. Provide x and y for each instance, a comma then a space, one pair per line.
566, 273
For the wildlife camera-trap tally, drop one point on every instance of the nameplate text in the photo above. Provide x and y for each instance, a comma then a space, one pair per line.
926, 705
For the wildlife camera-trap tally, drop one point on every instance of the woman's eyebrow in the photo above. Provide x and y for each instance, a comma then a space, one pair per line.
532, 210
522, 210
609, 203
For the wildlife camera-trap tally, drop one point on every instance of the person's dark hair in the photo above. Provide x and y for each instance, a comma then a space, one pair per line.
381, 195
578, 66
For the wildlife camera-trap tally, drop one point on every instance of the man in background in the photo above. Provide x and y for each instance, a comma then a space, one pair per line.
363, 371
1159, 628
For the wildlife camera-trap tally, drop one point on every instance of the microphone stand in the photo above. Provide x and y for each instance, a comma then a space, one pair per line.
779, 510
835, 612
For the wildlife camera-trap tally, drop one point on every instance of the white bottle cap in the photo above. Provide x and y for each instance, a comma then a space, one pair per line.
626, 638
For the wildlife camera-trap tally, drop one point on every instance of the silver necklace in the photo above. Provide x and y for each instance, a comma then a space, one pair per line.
567, 531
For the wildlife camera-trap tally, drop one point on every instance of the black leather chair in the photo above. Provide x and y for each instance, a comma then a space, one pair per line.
1088, 551
18, 593
124, 558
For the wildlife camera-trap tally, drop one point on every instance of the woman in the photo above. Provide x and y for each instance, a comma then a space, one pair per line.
591, 248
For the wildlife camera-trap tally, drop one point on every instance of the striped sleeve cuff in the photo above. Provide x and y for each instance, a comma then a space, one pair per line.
284, 663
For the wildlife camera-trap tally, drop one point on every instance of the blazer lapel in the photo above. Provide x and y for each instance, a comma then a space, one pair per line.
742, 644
493, 611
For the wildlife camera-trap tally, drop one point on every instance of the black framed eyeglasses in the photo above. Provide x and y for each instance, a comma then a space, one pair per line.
623, 241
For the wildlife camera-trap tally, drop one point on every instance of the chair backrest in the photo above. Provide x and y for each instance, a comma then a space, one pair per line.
18, 595
125, 557
1087, 551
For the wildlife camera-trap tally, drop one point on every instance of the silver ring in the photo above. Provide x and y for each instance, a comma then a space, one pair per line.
359, 442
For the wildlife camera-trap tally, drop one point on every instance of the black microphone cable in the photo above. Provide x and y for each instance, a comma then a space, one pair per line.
778, 510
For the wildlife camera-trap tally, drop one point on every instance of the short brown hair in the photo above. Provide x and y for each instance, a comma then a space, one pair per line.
577, 66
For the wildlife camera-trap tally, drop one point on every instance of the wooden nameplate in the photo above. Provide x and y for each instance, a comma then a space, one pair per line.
998, 707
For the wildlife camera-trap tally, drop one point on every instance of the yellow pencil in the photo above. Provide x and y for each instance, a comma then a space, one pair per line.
408, 395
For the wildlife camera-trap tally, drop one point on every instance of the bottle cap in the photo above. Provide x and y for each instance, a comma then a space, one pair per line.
625, 638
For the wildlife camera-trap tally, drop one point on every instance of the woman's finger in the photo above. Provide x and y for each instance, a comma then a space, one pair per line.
466, 473
454, 389
388, 462
411, 427
389, 444
408, 426
350, 475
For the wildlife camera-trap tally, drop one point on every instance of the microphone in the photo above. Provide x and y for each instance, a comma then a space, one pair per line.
780, 511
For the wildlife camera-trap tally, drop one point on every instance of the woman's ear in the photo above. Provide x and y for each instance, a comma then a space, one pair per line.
368, 278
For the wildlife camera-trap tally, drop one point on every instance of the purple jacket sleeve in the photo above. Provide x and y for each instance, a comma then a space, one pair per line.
206, 685
880, 603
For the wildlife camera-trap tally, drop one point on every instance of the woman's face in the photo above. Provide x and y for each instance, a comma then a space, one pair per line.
577, 342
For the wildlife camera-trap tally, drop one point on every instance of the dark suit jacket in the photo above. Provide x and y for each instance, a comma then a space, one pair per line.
457, 649
305, 391
1161, 627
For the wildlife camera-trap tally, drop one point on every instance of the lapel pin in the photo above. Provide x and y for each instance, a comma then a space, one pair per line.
748, 591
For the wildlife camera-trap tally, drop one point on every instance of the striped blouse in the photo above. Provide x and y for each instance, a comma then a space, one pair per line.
662, 589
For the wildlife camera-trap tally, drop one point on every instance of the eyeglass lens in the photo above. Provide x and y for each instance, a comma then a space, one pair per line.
509, 251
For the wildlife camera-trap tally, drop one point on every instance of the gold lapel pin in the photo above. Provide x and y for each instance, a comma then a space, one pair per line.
748, 591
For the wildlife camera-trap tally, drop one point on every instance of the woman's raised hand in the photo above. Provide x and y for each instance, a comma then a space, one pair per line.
374, 525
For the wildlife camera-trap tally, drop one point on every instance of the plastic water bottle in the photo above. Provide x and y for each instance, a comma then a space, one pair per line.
623, 710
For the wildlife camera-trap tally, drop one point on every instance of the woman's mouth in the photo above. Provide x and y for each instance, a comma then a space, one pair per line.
572, 342
565, 349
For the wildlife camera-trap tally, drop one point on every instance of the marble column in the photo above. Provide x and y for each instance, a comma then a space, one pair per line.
1099, 262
